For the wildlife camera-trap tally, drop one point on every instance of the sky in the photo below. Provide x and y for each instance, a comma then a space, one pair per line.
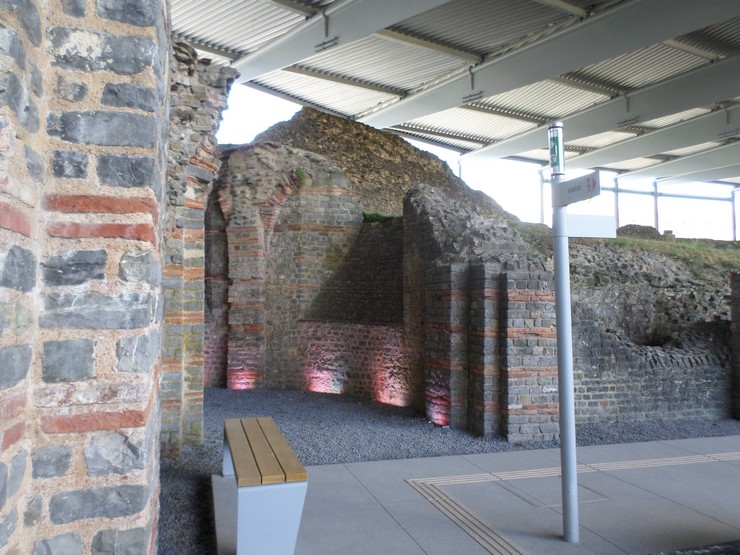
516, 185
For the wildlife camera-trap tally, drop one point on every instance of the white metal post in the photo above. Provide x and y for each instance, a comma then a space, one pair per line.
569, 476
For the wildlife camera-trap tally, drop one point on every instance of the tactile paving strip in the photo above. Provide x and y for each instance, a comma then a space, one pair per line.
492, 541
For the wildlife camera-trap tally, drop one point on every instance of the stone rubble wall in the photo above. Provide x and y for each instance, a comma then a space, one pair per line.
448, 304
198, 94
291, 218
648, 339
735, 343
83, 119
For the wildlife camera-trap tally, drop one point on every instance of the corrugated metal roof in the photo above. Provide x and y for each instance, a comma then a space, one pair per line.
482, 26
433, 50
600, 140
553, 100
235, 25
378, 60
641, 68
674, 118
467, 123
344, 99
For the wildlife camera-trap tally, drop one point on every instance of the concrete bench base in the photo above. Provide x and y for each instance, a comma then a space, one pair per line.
270, 516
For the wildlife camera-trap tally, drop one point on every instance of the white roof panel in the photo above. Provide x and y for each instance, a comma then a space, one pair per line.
551, 100
482, 26
377, 60
641, 68
416, 58
343, 99
471, 123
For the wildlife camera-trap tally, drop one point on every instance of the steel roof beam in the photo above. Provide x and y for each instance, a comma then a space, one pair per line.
429, 45
295, 7
624, 28
301, 70
702, 86
714, 174
714, 126
441, 134
715, 158
695, 51
564, 7
339, 24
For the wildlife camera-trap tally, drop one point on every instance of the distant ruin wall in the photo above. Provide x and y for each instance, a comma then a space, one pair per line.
364, 360
290, 220
648, 340
618, 380
198, 93
444, 309
735, 342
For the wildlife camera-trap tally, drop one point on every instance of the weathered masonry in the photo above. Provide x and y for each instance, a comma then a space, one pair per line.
441, 309
129, 281
100, 268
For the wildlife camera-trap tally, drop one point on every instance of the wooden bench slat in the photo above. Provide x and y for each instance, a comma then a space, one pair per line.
272, 472
245, 466
292, 467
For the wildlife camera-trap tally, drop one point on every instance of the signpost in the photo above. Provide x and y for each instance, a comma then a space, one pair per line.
566, 192
574, 190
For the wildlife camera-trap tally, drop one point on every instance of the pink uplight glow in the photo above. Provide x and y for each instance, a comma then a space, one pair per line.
242, 378
324, 381
391, 383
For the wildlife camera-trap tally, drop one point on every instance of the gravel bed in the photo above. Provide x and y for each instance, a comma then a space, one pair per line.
327, 429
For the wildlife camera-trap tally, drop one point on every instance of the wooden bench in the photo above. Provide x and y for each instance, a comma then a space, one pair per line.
271, 485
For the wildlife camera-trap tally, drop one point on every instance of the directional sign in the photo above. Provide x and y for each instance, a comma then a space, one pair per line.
575, 190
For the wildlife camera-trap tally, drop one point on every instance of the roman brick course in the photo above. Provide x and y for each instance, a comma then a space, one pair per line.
93, 421
198, 94
95, 204
72, 128
132, 232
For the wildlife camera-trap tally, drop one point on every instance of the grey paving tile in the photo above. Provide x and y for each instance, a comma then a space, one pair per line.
640, 521
329, 483
516, 460
386, 480
712, 489
343, 531
433, 531
706, 445
628, 452
531, 525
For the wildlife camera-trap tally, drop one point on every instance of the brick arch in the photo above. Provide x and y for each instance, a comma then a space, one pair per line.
291, 216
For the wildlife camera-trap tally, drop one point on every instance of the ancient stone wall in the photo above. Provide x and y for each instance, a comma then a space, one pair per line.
290, 219
198, 93
529, 372
648, 340
83, 119
448, 304
478, 322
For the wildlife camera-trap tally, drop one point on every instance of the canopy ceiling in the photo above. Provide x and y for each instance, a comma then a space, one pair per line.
649, 88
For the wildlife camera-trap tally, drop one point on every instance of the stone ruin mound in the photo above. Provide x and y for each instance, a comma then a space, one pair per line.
337, 301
